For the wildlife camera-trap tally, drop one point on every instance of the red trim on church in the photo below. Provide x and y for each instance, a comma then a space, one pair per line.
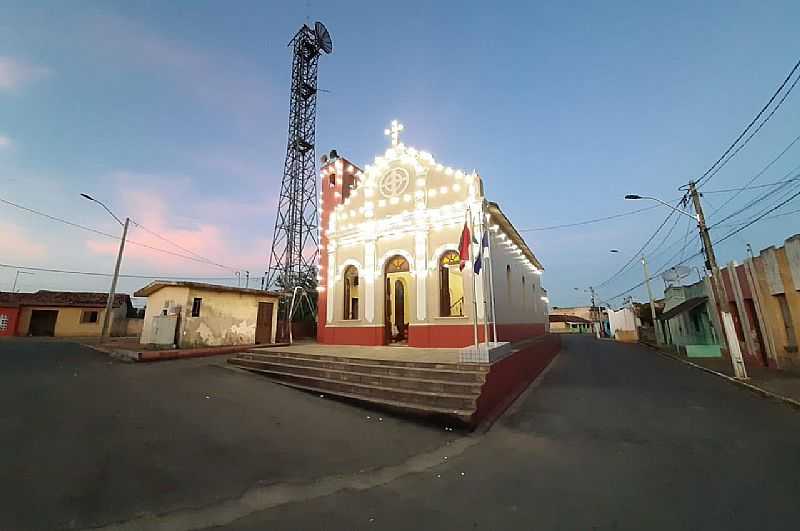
421, 336
351, 335
510, 376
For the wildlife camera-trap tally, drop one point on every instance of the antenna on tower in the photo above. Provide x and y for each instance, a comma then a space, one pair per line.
293, 259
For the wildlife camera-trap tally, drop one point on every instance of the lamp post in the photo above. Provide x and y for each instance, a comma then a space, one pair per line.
111, 292
726, 320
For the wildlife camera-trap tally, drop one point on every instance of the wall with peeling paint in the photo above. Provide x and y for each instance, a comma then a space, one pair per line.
226, 317
170, 299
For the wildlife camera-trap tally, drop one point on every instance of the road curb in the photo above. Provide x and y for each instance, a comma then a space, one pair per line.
750, 387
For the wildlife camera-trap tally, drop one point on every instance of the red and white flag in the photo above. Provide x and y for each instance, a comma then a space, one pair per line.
463, 246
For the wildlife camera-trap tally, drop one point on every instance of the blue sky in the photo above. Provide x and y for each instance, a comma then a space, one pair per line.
175, 113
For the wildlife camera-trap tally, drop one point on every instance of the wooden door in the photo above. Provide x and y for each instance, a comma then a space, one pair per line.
399, 310
387, 311
264, 322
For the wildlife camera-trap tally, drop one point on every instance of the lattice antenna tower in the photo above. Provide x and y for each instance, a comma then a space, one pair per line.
295, 244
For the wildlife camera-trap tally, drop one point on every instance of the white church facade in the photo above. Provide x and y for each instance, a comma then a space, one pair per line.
390, 268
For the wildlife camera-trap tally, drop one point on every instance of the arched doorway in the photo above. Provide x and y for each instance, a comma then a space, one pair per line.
396, 309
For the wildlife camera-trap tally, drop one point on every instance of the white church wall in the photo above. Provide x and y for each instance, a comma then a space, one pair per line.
515, 304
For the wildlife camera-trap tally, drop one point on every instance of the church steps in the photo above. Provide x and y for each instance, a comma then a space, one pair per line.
344, 374
444, 372
464, 416
368, 393
470, 367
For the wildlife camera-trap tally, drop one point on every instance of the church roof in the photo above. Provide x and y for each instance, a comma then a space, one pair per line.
508, 228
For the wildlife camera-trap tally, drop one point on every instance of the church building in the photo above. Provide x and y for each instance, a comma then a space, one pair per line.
390, 268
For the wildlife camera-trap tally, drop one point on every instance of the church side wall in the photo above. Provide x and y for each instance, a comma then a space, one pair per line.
520, 310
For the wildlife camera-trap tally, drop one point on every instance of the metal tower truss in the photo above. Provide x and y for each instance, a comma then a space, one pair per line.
293, 260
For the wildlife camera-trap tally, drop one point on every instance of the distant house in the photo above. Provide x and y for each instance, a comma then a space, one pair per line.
560, 323
62, 314
688, 320
195, 314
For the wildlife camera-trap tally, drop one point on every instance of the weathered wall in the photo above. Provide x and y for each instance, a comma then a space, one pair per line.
774, 275
133, 327
163, 299
226, 318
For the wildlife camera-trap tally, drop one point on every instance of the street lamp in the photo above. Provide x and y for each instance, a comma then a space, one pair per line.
111, 292
657, 200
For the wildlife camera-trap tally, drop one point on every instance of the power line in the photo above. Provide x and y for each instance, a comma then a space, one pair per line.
743, 188
729, 235
760, 217
758, 175
716, 166
638, 253
590, 221
98, 274
208, 260
106, 234
758, 199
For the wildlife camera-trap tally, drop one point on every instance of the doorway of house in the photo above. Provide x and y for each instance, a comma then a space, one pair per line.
396, 310
43, 323
264, 322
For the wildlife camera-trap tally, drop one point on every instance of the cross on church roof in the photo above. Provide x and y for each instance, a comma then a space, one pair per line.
394, 132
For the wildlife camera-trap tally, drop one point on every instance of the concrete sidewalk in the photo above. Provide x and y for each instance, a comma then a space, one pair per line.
780, 384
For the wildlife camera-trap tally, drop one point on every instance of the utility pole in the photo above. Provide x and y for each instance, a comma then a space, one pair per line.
728, 331
110, 301
650, 296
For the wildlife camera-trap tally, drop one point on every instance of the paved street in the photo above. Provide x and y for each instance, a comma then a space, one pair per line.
87, 441
613, 437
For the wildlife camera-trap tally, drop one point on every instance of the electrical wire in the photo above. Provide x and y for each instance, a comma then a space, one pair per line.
756, 176
719, 163
638, 253
201, 257
722, 239
106, 234
757, 200
98, 274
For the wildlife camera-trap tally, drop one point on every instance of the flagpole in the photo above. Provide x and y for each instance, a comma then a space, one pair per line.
472, 274
491, 286
483, 280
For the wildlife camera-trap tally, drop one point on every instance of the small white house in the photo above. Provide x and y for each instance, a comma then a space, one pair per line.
194, 314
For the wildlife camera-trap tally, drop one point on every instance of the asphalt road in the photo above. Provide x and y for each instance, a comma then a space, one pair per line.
614, 437
86, 441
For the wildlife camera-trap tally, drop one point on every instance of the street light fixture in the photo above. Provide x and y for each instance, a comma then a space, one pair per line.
111, 292
657, 200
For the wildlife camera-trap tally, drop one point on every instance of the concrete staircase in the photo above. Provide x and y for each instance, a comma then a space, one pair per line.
421, 388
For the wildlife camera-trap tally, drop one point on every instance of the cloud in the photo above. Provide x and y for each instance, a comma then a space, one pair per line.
14, 74
230, 232
5, 142
18, 245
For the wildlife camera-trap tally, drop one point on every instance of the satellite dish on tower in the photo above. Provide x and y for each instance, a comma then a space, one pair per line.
323, 37
675, 274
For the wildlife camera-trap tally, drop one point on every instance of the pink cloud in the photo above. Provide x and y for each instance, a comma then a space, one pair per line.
18, 245
14, 74
229, 246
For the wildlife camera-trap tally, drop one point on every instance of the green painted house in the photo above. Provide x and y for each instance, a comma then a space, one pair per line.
686, 320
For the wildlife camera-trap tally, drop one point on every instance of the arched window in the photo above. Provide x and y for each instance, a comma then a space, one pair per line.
451, 285
524, 293
350, 281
